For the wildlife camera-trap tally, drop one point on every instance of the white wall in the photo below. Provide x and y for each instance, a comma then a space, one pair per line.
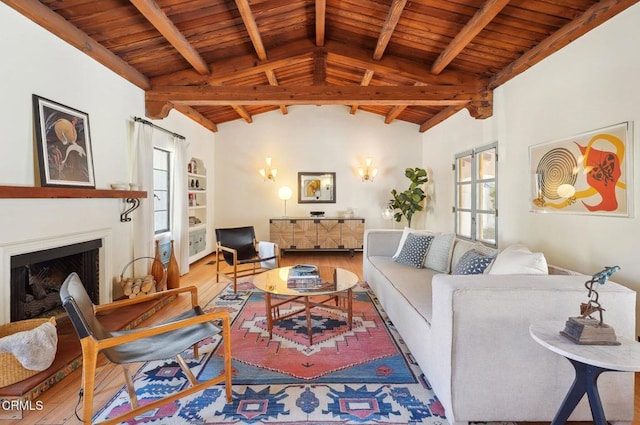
591, 83
36, 62
311, 139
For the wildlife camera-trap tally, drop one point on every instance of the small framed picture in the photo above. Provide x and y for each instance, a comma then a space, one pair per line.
316, 188
65, 157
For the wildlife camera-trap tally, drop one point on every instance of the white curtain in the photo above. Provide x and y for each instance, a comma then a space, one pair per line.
179, 207
142, 174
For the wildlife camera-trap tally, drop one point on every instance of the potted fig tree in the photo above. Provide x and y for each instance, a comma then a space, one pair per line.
406, 203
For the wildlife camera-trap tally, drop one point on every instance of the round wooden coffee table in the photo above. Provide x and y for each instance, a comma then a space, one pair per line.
274, 282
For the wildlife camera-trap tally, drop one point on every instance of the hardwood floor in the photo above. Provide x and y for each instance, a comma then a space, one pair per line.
58, 404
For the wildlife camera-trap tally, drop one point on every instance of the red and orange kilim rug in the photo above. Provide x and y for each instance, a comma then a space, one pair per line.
335, 347
359, 376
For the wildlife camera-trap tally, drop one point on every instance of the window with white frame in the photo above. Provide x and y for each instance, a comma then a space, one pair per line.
161, 190
476, 212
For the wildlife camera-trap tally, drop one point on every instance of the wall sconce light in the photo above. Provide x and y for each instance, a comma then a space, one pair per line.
367, 173
268, 173
285, 193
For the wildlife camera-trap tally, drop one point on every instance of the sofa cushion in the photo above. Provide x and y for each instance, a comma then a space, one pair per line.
439, 254
473, 262
414, 250
405, 232
460, 247
412, 284
518, 259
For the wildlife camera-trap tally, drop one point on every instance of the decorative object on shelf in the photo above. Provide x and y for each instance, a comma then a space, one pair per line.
367, 173
173, 271
584, 174
316, 213
65, 156
268, 173
584, 329
285, 193
197, 206
119, 186
410, 201
316, 188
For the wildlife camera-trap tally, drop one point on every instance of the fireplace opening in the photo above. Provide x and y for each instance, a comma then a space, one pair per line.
36, 278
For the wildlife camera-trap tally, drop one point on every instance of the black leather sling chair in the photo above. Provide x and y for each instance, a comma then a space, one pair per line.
239, 247
156, 342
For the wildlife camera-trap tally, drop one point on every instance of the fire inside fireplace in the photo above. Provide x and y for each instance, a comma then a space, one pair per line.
36, 278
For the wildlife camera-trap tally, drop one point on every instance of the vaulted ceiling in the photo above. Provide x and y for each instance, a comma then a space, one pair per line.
418, 61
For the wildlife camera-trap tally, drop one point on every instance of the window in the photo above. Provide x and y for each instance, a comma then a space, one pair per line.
161, 191
476, 194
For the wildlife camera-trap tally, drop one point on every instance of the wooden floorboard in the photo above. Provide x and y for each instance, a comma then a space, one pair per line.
58, 404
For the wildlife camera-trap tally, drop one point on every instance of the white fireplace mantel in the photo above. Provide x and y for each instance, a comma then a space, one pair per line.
10, 249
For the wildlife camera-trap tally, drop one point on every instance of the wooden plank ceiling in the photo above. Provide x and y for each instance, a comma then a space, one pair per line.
418, 61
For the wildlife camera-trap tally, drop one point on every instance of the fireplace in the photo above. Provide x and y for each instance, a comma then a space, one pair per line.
36, 278
15, 248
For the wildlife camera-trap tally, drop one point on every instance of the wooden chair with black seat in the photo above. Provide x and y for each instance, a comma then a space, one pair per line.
239, 247
156, 342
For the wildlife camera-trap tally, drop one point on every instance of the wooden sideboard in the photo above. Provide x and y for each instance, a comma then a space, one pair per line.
317, 234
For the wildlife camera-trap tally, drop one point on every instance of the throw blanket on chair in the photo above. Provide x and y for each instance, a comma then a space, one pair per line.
266, 250
34, 349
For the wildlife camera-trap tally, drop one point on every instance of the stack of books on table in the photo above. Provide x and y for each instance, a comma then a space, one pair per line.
307, 277
304, 276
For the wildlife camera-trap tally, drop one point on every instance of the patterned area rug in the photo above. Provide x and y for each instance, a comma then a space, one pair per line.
359, 376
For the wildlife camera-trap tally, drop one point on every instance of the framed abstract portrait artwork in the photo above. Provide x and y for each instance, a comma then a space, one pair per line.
316, 188
590, 173
63, 139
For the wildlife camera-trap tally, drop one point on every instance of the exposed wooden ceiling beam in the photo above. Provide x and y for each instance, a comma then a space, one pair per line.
366, 79
482, 106
243, 113
440, 116
242, 66
591, 18
295, 53
160, 100
481, 19
395, 10
252, 28
321, 14
271, 76
56, 24
157, 18
196, 116
393, 114
396, 111
319, 66
347, 55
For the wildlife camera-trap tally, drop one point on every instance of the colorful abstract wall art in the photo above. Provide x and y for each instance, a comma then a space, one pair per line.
585, 174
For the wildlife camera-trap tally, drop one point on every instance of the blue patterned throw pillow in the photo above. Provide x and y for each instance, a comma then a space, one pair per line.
414, 250
472, 262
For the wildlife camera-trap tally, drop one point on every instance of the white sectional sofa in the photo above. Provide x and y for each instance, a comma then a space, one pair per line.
470, 334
